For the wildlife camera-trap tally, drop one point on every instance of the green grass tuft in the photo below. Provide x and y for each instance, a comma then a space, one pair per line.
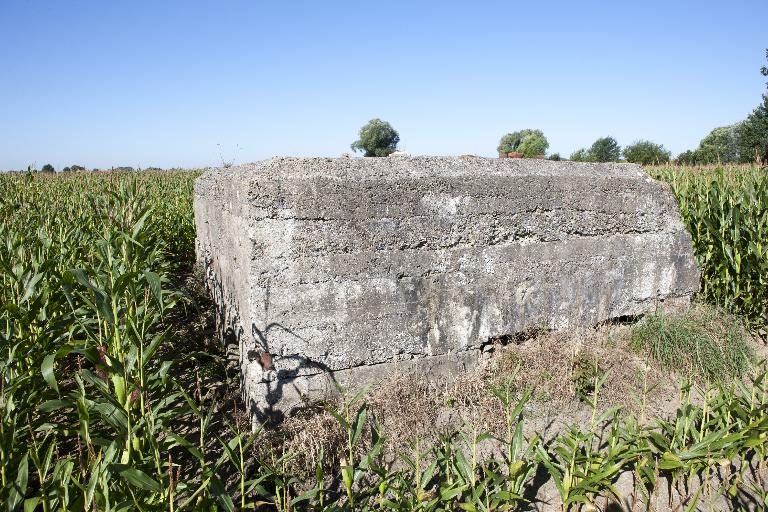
704, 343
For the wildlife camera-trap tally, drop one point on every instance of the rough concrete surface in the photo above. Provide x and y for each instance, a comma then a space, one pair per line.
350, 270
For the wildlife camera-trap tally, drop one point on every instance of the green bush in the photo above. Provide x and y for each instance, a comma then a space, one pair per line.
580, 155
752, 134
533, 145
605, 149
646, 152
377, 138
529, 142
687, 157
719, 146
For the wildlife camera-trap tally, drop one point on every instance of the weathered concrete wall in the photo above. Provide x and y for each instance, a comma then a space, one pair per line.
352, 269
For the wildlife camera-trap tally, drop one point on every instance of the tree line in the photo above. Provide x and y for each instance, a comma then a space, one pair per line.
743, 142
49, 169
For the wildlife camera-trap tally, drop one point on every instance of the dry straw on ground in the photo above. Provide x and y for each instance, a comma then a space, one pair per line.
557, 366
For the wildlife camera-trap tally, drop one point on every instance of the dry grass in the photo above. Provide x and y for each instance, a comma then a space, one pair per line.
558, 367
405, 409
550, 363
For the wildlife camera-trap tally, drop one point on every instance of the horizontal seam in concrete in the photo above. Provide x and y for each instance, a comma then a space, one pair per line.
369, 365
528, 240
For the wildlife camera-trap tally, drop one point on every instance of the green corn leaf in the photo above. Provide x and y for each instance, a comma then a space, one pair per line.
53, 405
670, 461
358, 425
342, 421
194, 450
114, 416
19, 487
118, 382
138, 478
47, 370
140, 224
347, 474
428, 473
153, 280
229, 452
448, 494
30, 287
30, 504
221, 495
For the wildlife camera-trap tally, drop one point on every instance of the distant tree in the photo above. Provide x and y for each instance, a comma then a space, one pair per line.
66, 169
687, 157
719, 146
646, 152
510, 142
555, 157
580, 155
529, 142
76, 168
764, 69
752, 134
377, 138
533, 145
605, 149
47, 168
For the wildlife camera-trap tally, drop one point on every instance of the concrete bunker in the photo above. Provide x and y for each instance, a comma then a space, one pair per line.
346, 271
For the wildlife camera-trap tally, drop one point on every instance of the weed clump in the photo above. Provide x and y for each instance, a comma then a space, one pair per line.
585, 373
705, 342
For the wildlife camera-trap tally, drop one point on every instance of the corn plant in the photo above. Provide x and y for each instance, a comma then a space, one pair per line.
726, 212
581, 465
519, 455
97, 414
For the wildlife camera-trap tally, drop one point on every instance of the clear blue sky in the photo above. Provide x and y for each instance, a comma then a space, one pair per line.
118, 82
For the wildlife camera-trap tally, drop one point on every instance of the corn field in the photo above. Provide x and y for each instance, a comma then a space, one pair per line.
726, 211
98, 411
